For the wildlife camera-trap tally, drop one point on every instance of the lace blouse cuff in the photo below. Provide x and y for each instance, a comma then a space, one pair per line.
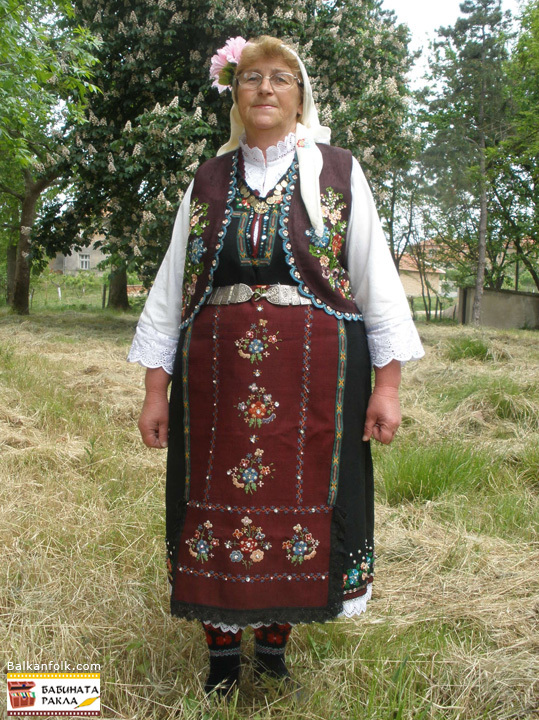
153, 349
394, 340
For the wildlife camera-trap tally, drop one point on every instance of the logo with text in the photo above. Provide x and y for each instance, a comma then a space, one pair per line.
53, 694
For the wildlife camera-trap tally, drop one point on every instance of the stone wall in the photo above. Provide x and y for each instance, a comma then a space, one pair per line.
501, 308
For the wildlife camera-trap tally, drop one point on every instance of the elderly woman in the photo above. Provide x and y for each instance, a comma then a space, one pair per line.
276, 295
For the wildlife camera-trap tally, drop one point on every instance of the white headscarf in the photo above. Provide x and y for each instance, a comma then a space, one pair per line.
308, 132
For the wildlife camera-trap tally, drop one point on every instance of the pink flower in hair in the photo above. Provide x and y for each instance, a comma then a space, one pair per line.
225, 60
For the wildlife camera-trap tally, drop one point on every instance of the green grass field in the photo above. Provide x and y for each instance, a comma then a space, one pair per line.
452, 630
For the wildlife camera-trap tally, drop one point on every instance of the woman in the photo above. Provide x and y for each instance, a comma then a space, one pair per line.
279, 277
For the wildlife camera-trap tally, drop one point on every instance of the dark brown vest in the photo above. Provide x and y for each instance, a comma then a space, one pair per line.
317, 265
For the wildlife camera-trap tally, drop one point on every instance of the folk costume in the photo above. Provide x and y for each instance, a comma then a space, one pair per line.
277, 293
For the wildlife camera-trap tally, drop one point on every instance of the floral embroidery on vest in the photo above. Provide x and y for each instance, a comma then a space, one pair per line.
203, 542
254, 344
259, 408
194, 266
328, 247
301, 546
250, 541
250, 473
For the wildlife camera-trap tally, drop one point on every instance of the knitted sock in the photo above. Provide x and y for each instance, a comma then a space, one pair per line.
270, 648
224, 650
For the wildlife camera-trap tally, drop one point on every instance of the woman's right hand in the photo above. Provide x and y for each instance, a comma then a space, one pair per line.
153, 420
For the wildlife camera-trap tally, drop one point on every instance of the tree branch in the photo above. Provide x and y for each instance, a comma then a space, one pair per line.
10, 191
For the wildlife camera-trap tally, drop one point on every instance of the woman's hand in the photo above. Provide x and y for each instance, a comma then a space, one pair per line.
153, 420
383, 411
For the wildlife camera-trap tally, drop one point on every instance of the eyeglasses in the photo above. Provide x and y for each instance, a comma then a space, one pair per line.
279, 80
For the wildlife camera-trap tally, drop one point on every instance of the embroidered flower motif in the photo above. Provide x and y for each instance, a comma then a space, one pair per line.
202, 543
254, 344
301, 546
195, 250
328, 248
356, 577
248, 475
251, 543
259, 408
224, 62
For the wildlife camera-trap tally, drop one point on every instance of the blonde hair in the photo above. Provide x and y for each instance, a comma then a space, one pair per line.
266, 46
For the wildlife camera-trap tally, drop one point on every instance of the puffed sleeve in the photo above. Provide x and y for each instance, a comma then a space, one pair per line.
158, 329
376, 285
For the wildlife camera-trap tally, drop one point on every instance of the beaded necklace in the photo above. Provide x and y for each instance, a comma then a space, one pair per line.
261, 211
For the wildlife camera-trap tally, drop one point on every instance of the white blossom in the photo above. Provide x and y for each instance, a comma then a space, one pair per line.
392, 87
198, 113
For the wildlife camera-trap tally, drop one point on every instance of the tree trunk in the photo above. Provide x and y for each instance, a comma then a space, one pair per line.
21, 289
118, 289
527, 264
482, 240
11, 264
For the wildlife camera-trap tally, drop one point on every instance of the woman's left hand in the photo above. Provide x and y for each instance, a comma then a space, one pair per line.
383, 415
384, 410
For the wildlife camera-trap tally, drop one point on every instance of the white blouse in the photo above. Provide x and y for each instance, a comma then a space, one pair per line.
376, 286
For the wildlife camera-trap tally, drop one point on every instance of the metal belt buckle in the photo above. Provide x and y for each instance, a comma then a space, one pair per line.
260, 292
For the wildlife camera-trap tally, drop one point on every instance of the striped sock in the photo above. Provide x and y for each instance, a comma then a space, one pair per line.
270, 648
224, 650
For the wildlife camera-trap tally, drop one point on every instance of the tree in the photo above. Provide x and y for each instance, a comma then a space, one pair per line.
467, 118
146, 133
515, 161
43, 80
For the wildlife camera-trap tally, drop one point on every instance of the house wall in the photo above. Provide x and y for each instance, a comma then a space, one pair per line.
412, 283
71, 264
501, 308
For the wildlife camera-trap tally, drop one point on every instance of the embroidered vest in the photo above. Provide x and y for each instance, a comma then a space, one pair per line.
317, 265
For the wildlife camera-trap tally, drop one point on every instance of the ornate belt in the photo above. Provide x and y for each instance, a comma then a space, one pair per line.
275, 294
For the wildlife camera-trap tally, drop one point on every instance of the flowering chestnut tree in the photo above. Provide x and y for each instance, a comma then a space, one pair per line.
157, 115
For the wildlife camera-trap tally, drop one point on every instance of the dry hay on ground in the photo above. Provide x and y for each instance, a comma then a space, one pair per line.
83, 577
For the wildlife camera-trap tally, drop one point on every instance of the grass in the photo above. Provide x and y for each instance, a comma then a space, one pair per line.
451, 632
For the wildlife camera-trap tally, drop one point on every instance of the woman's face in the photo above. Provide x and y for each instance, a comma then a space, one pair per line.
268, 114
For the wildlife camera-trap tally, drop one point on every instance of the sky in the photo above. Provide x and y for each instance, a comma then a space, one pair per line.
424, 16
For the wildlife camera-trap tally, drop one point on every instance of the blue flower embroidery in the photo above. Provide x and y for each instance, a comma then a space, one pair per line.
301, 546
197, 250
236, 556
256, 346
250, 475
202, 546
